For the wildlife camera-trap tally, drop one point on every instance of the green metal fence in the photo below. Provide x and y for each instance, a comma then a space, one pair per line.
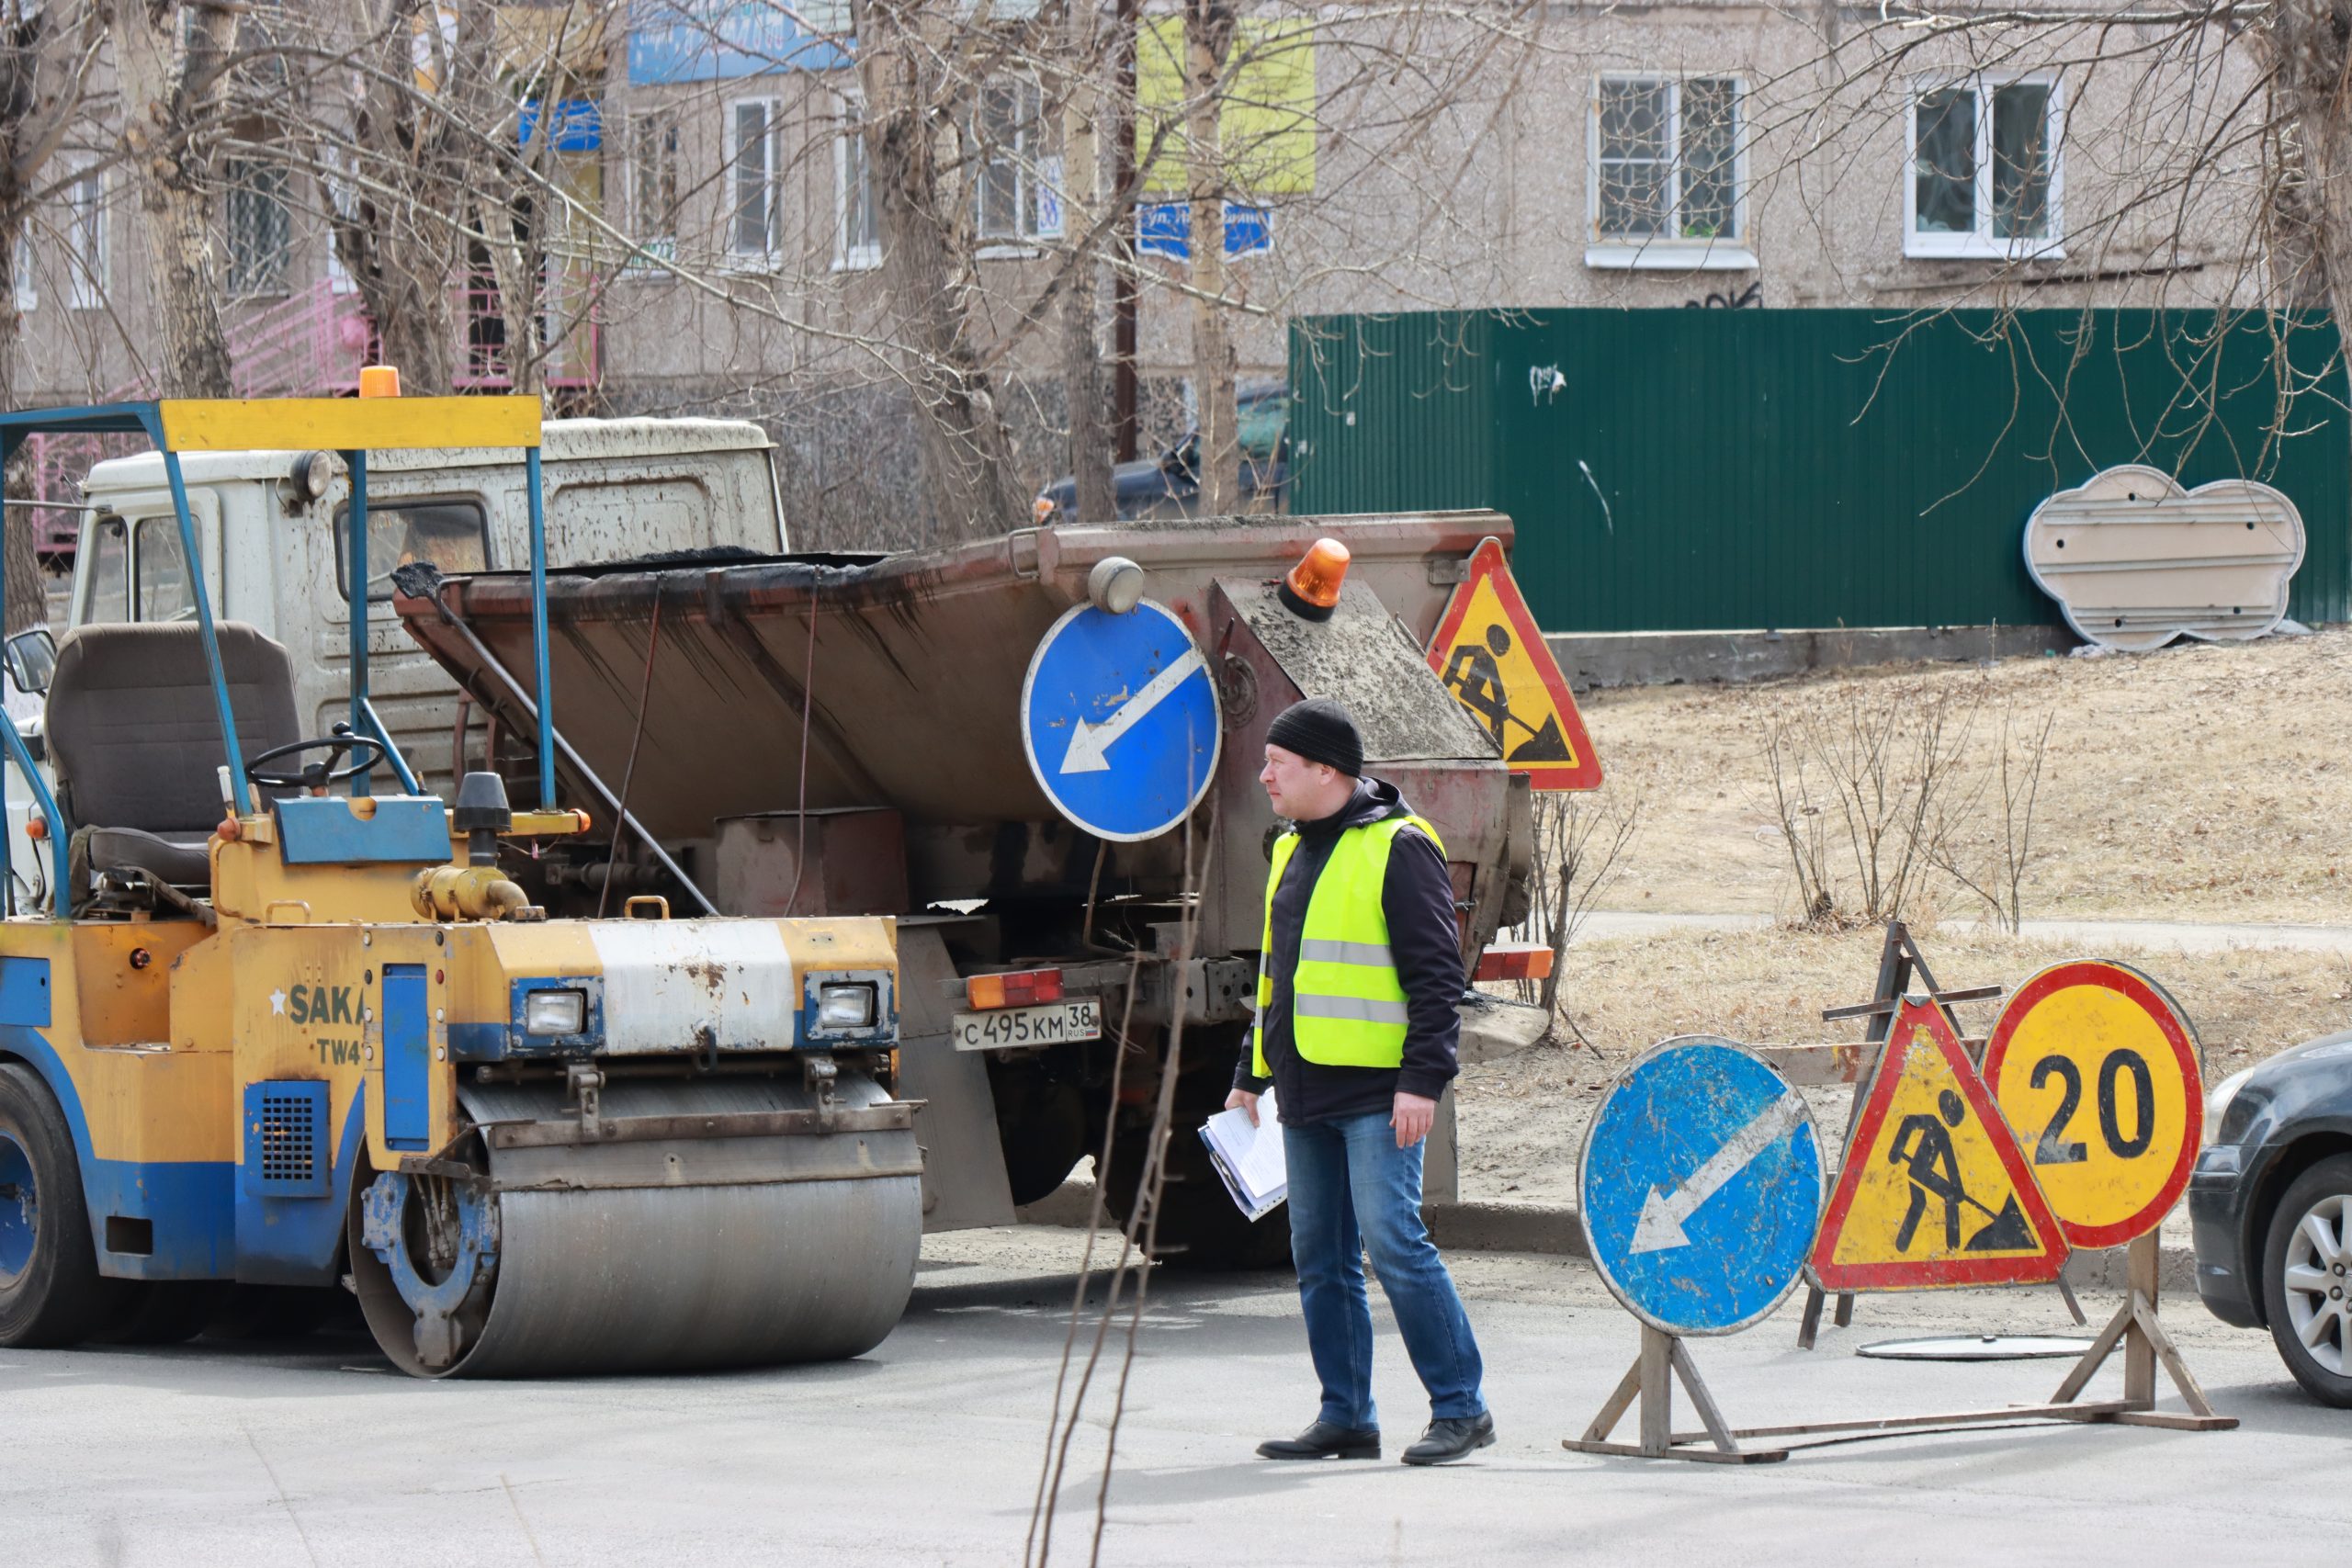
1685, 469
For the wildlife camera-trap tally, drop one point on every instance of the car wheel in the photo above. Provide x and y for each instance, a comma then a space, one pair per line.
2307, 1279
51, 1293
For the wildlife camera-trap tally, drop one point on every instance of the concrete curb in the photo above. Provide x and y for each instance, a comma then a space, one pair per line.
1558, 1232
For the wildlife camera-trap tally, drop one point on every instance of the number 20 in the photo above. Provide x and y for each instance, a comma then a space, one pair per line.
2054, 1150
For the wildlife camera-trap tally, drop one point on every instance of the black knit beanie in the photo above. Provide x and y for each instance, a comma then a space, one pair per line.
1321, 731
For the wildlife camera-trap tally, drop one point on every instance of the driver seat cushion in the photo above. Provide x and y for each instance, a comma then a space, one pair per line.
181, 861
136, 740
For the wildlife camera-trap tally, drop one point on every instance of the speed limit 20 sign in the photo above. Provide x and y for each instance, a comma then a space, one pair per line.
2097, 1072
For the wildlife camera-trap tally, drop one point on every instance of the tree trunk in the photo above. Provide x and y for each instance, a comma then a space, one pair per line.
28, 604
1208, 40
1090, 451
166, 95
928, 273
2311, 53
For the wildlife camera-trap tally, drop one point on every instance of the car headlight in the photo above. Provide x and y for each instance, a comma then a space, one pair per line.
2218, 1098
561, 1012
845, 1005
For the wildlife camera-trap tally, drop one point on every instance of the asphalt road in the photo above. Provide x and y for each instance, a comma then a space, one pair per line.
927, 1451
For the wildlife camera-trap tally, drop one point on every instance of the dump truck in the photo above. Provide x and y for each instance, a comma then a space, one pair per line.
839, 736
262, 1038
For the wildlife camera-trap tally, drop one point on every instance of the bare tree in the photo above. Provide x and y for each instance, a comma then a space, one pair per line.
46, 55
171, 57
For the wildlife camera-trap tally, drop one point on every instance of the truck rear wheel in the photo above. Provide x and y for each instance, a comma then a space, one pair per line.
50, 1291
1199, 1225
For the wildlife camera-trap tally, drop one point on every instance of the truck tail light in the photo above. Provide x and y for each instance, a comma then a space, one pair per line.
1514, 961
1023, 987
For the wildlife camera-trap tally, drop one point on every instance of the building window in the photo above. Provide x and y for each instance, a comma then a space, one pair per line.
1983, 173
20, 271
261, 234
653, 186
1006, 130
1666, 174
86, 241
755, 232
857, 235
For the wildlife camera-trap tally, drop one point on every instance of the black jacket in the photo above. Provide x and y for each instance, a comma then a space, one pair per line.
1417, 900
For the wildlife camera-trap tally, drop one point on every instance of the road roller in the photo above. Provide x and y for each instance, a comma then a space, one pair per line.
267, 1031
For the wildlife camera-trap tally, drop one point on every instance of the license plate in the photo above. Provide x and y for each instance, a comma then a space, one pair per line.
1054, 1023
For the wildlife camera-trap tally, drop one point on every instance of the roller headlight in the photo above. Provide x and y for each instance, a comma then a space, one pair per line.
845, 1005
555, 1012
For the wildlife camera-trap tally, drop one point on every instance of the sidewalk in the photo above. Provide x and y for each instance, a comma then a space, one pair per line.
2184, 936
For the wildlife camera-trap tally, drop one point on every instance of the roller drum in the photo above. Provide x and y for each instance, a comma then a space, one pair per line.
666, 1255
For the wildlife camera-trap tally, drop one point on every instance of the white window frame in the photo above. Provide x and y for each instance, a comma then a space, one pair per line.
1025, 158
27, 293
343, 202
1981, 244
851, 158
1725, 253
771, 255
650, 227
85, 233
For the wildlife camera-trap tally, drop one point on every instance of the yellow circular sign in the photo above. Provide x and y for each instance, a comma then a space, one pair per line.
2097, 1072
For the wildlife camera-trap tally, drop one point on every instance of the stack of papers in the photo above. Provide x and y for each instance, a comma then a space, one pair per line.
1249, 1158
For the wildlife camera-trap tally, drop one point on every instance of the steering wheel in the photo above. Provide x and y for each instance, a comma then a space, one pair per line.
319, 774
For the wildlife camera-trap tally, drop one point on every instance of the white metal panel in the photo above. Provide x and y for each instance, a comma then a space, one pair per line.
666, 981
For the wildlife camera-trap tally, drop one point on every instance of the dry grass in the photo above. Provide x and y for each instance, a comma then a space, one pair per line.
1522, 1119
2202, 782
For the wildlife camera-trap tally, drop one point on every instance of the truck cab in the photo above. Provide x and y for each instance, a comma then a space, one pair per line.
273, 529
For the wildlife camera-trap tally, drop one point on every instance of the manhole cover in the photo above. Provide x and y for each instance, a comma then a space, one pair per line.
1978, 1347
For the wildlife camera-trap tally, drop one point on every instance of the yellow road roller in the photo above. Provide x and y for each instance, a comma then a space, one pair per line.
266, 1030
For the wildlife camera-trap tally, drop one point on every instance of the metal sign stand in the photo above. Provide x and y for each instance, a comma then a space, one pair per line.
2135, 1327
1899, 959
1650, 1380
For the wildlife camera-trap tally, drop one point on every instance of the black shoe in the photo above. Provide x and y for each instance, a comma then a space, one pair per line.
1326, 1440
1450, 1439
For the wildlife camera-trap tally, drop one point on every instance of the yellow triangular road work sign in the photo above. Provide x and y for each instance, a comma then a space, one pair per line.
1934, 1190
1493, 658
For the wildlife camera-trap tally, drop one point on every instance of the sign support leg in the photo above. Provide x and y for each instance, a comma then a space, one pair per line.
1650, 1381
2136, 1328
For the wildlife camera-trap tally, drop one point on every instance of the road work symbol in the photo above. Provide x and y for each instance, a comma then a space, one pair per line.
1493, 658
1700, 1187
2097, 1070
1934, 1190
1119, 720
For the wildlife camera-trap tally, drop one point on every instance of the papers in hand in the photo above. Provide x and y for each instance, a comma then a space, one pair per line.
1249, 1158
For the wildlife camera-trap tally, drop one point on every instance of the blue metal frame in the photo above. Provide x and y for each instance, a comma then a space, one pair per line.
146, 419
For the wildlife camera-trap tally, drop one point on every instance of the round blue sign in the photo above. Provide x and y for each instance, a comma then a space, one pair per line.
1701, 1186
1119, 718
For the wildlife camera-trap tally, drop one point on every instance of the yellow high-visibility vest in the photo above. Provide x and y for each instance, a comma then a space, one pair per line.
1347, 1004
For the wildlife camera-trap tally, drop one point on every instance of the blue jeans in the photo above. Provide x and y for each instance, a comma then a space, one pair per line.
1353, 1191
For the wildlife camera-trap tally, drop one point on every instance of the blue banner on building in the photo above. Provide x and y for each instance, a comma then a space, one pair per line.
1165, 229
711, 40
579, 125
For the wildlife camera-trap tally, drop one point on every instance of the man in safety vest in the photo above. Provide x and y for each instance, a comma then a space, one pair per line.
1356, 1031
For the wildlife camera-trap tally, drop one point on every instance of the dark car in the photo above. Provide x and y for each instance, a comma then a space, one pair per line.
1170, 484
2271, 1205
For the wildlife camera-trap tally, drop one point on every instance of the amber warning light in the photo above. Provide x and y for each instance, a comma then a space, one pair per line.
379, 381
1312, 589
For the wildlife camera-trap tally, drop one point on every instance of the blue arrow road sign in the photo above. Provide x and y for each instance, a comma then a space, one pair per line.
1701, 1187
1119, 718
